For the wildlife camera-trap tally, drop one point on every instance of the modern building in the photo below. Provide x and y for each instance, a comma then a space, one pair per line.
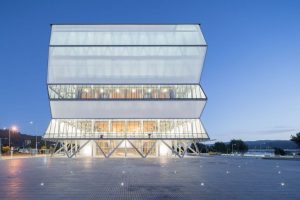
126, 90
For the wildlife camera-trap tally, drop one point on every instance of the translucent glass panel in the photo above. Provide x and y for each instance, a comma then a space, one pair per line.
185, 108
103, 92
115, 65
126, 35
120, 128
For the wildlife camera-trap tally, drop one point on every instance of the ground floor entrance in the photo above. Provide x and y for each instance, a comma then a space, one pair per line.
124, 148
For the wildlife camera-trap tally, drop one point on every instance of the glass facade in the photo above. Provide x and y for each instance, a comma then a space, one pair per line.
131, 129
126, 88
81, 92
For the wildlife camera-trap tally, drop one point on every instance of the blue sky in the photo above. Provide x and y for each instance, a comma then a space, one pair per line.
251, 74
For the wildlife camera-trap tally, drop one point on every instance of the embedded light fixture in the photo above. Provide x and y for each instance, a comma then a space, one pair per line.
117, 90
101, 90
133, 90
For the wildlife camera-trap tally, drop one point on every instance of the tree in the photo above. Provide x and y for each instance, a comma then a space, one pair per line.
279, 151
237, 146
296, 138
220, 147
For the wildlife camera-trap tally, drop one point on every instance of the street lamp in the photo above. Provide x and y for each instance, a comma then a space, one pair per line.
13, 129
31, 123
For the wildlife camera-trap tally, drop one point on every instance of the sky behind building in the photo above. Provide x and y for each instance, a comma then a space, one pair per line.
251, 72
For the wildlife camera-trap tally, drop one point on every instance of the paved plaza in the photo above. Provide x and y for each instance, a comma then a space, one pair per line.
154, 178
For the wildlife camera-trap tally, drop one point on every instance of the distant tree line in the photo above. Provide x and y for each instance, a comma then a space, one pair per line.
238, 146
234, 146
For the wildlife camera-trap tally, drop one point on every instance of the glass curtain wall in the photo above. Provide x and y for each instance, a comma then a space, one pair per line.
125, 92
119, 128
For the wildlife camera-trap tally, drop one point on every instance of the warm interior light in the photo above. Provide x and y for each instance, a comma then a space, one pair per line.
87, 149
149, 90
133, 90
117, 90
101, 91
125, 144
163, 149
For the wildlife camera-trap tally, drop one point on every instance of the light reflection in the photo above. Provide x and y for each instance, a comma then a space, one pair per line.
14, 182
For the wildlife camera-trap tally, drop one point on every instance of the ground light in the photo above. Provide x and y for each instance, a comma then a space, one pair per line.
87, 150
163, 149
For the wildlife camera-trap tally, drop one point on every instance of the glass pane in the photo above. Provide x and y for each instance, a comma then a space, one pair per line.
125, 92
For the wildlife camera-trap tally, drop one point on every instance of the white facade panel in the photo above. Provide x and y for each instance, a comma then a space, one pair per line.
126, 35
125, 65
127, 109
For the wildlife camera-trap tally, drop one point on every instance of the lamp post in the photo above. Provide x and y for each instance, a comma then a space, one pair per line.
32, 123
14, 129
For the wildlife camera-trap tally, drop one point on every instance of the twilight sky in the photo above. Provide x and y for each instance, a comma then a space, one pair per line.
251, 73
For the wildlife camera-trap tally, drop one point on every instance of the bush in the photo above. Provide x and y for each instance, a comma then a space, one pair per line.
220, 147
279, 151
5, 149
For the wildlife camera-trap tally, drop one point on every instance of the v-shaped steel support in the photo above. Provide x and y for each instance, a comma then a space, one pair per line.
196, 147
54, 152
59, 150
100, 149
153, 145
172, 149
79, 149
137, 150
112, 151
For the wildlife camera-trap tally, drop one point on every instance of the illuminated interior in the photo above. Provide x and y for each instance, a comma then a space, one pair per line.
125, 89
130, 129
125, 92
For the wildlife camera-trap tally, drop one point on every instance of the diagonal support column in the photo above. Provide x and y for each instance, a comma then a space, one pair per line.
196, 147
137, 150
172, 149
192, 150
114, 149
66, 150
53, 152
100, 149
59, 150
79, 149
185, 147
150, 149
